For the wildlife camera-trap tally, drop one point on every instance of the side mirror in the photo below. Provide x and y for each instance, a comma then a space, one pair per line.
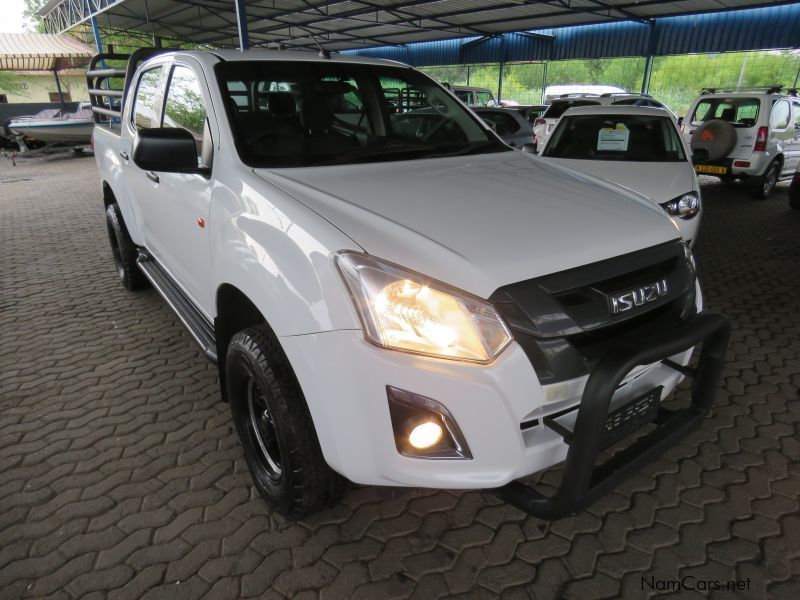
166, 149
529, 148
699, 155
680, 121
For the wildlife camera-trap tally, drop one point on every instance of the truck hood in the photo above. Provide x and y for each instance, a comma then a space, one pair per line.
478, 222
660, 182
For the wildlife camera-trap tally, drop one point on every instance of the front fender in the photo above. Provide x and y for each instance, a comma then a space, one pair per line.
279, 254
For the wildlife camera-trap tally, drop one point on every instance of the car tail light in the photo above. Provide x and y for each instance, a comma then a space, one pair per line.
741, 163
539, 121
91, 142
796, 178
761, 139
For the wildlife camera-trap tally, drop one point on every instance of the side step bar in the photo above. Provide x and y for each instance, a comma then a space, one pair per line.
196, 322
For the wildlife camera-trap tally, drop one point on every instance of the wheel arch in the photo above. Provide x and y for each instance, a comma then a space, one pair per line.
234, 312
108, 195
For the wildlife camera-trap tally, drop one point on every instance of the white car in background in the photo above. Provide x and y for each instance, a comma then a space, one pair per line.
639, 148
543, 126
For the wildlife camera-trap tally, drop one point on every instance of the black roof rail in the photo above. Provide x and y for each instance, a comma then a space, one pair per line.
769, 89
106, 97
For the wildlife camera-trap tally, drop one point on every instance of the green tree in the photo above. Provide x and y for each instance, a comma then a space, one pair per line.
30, 21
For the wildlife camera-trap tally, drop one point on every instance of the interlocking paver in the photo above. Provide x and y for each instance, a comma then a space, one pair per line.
122, 476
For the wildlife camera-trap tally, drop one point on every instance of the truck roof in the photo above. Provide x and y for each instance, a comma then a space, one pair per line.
284, 55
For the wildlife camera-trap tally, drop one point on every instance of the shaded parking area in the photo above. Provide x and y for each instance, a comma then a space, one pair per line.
122, 476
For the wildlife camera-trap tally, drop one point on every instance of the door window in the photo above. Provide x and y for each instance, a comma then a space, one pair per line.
780, 115
145, 114
185, 107
796, 111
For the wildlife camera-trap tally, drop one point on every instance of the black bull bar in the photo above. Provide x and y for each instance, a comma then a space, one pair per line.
582, 482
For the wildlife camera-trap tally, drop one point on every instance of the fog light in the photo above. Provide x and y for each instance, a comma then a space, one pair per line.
424, 428
425, 435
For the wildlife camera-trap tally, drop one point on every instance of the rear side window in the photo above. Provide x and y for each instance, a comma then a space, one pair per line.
484, 99
464, 95
780, 115
184, 106
739, 112
146, 107
636, 138
559, 107
504, 124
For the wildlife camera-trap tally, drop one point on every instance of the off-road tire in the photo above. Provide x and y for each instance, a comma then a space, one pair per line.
255, 365
763, 185
123, 250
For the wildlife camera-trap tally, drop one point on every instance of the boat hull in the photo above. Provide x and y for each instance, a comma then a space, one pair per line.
73, 131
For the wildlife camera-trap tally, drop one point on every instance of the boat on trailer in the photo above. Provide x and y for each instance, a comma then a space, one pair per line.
54, 125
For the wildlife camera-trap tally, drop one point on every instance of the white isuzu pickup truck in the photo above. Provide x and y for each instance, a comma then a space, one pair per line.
391, 294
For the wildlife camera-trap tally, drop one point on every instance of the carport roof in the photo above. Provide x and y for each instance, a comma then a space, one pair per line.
352, 24
41, 52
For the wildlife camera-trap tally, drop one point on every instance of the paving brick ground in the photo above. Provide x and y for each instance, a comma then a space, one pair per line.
120, 475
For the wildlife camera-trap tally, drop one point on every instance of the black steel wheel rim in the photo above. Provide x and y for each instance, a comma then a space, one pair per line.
261, 426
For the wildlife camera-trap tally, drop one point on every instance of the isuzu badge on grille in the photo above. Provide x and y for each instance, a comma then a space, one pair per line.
624, 301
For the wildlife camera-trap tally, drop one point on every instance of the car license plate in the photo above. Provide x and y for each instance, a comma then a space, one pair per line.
712, 169
631, 416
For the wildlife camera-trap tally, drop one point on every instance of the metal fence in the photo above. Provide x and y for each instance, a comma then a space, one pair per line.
675, 80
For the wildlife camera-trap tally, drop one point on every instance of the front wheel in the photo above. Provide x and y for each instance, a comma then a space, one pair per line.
275, 428
762, 186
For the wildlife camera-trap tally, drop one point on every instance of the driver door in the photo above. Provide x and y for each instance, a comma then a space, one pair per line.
184, 199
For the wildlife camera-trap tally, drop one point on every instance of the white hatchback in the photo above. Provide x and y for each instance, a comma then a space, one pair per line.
639, 148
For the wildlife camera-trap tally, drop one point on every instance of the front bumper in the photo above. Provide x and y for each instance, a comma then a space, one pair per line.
582, 481
500, 408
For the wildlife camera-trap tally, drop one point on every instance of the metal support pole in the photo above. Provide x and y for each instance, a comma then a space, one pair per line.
98, 40
500, 83
156, 41
648, 70
544, 81
469, 73
58, 87
502, 65
241, 20
652, 42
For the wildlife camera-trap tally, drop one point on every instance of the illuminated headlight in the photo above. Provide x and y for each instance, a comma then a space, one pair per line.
404, 310
684, 207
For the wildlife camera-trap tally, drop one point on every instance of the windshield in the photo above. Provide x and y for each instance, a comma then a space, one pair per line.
298, 114
740, 112
642, 138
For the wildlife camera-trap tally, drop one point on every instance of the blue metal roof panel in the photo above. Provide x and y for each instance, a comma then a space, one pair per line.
749, 29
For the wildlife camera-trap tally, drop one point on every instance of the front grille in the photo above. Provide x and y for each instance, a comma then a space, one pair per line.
563, 321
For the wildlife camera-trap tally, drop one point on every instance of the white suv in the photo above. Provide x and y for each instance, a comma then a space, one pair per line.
746, 133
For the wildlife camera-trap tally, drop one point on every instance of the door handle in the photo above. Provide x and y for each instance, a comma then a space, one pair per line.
152, 176
123, 154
